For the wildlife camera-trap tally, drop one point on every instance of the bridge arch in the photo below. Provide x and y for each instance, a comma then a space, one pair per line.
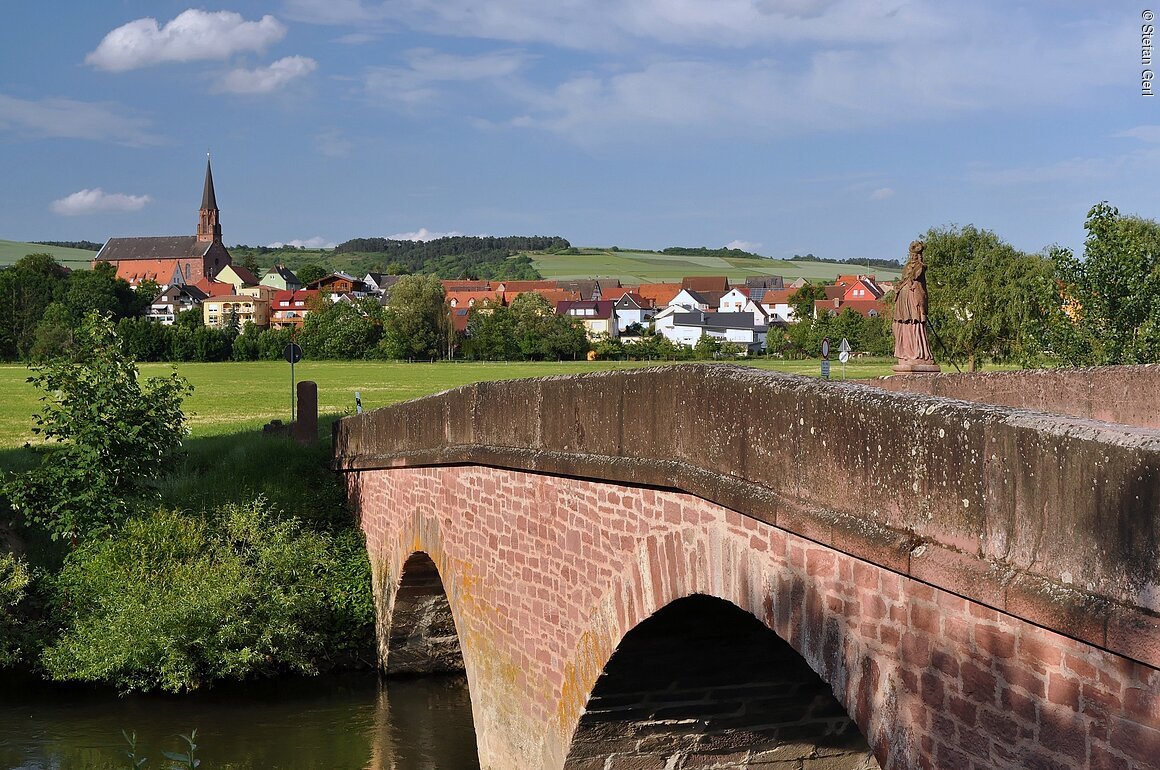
702, 682
422, 637
706, 557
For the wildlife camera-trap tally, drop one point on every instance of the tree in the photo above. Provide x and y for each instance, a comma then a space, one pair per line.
342, 330
311, 272
1109, 308
415, 324
100, 290
985, 296
27, 288
491, 333
108, 433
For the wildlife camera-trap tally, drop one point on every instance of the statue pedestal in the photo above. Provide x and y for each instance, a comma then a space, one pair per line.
916, 367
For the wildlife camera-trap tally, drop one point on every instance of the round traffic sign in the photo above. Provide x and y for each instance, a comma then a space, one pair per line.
844, 356
292, 353
826, 349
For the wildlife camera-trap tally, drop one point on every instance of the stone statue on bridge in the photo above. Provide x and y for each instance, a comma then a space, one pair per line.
911, 344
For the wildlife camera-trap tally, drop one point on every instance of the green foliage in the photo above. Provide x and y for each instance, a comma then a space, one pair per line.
15, 579
702, 251
341, 329
26, 290
1112, 295
108, 435
415, 324
311, 272
174, 601
986, 298
529, 329
458, 256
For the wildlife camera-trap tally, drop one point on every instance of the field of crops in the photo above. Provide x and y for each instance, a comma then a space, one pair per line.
12, 251
648, 267
229, 397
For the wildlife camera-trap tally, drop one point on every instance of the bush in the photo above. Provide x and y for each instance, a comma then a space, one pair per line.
109, 434
174, 601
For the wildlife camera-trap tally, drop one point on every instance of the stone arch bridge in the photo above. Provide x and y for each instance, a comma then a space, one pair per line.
710, 566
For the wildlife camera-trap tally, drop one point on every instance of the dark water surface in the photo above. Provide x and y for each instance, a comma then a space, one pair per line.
350, 722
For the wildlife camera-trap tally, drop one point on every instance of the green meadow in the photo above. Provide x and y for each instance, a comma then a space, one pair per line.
12, 251
238, 396
650, 267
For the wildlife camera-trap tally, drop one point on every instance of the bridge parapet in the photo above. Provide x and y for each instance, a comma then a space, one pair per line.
1052, 519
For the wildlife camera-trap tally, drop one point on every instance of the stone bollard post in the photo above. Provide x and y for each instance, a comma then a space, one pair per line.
304, 430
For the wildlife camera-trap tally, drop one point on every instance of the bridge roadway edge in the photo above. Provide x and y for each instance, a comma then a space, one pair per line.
1105, 622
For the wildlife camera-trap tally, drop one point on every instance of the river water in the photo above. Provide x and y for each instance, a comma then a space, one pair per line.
334, 723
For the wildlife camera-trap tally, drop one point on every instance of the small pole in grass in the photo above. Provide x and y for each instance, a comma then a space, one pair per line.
293, 354
357, 402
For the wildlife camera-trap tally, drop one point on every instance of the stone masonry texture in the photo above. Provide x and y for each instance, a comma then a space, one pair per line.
978, 583
545, 575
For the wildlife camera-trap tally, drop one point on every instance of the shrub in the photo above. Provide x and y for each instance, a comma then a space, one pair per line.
174, 601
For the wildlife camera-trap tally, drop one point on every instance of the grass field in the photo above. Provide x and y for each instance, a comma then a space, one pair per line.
647, 267
229, 397
12, 251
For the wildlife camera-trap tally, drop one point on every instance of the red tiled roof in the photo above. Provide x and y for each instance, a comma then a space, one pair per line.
660, 293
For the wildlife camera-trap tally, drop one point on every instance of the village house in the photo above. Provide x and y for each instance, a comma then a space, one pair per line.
598, 316
687, 328
281, 278
235, 310
237, 276
631, 308
173, 300
289, 308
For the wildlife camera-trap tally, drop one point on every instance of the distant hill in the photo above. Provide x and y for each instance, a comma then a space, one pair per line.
675, 263
12, 251
449, 257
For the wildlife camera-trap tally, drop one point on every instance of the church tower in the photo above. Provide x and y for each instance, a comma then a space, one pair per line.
209, 229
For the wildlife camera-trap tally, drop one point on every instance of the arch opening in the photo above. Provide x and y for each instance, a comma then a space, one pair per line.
422, 637
702, 683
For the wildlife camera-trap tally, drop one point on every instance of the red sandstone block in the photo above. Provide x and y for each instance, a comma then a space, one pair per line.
1039, 651
889, 635
924, 617
958, 631
866, 575
1026, 679
945, 662
1142, 705
962, 710
1063, 690
931, 690
978, 683
821, 562
996, 641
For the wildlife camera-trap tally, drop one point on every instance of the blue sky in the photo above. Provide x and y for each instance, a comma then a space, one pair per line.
839, 127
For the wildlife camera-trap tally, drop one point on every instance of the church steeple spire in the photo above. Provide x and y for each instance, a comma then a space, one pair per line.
209, 229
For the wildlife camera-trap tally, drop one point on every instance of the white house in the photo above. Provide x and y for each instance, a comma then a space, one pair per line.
686, 328
733, 301
690, 299
776, 304
633, 309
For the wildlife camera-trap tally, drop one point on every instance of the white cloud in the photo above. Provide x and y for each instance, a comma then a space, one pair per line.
194, 35
72, 119
317, 242
416, 83
422, 234
744, 246
1148, 134
611, 24
882, 193
263, 80
95, 200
